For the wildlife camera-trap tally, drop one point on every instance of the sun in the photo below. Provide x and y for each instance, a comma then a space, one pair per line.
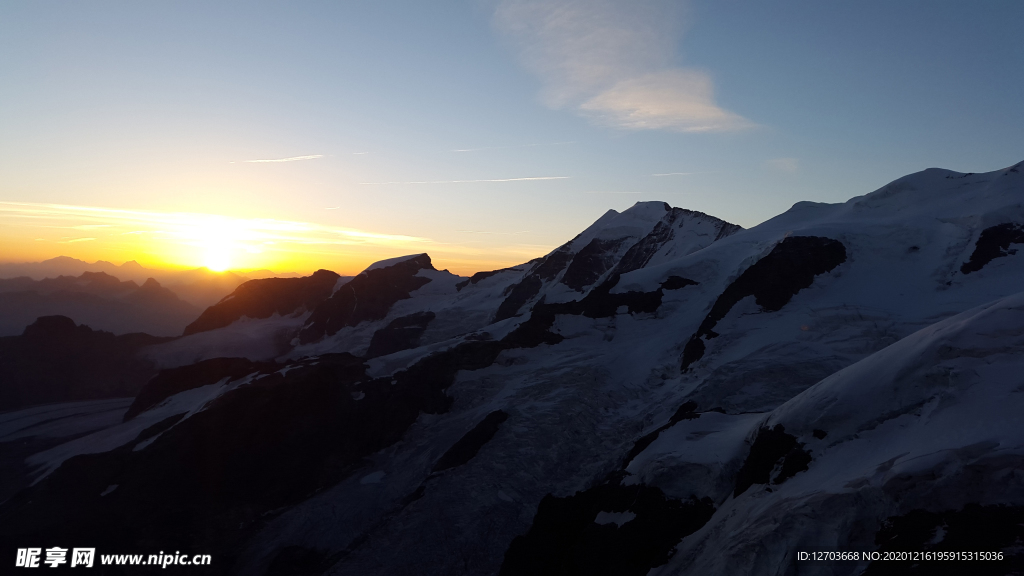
217, 257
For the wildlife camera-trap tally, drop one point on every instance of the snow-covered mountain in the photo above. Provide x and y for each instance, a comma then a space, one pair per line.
664, 394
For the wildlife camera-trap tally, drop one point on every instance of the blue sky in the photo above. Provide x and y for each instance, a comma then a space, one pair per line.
489, 131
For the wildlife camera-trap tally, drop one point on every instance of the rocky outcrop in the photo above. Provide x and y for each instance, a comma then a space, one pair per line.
400, 334
368, 296
994, 242
266, 297
56, 361
789, 268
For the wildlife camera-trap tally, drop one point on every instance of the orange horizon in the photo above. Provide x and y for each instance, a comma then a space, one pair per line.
35, 232
243, 271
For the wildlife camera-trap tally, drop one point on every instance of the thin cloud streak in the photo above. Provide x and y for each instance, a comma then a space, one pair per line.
186, 226
474, 181
516, 146
675, 174
292, 159
495, 233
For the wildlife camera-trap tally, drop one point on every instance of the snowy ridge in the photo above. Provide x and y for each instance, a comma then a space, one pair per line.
941, 404
666, 392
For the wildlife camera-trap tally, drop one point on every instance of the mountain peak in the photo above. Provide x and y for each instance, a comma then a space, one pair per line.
64, 260
420, 260
265, 297
51, 326
655, 206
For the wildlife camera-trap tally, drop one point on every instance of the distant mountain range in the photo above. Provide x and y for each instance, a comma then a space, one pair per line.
96, 299
666, 393
199, 287
104, 296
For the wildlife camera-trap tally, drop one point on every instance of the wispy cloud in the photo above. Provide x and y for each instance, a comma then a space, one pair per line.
188, 227
473, 181
515, 146
495, 233
784, 165
675, 174
292, 159
614, 62
186, 239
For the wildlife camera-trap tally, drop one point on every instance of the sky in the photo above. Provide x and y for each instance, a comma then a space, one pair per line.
312, 134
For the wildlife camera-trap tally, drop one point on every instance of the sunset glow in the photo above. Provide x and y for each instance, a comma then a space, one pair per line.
190, 240
294, 137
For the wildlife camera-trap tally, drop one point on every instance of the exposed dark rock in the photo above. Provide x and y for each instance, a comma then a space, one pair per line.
770, 446
174, 380
266, 297
796, 460
688, 411
520, 294
255, 449
161, 426
590, 263
400, 334
819, 434
994, 242
694, 350
545, 270
482, 276
602, 303
468, 446
56, 361
598, 303
205, 483
975, 528
366, 297
554, 263
641, 253
677, 282
274, 442
773, 280
727, 229
585, 267
564, 539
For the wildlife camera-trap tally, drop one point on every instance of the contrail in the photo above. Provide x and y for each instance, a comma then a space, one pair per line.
471, 181
292, 159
